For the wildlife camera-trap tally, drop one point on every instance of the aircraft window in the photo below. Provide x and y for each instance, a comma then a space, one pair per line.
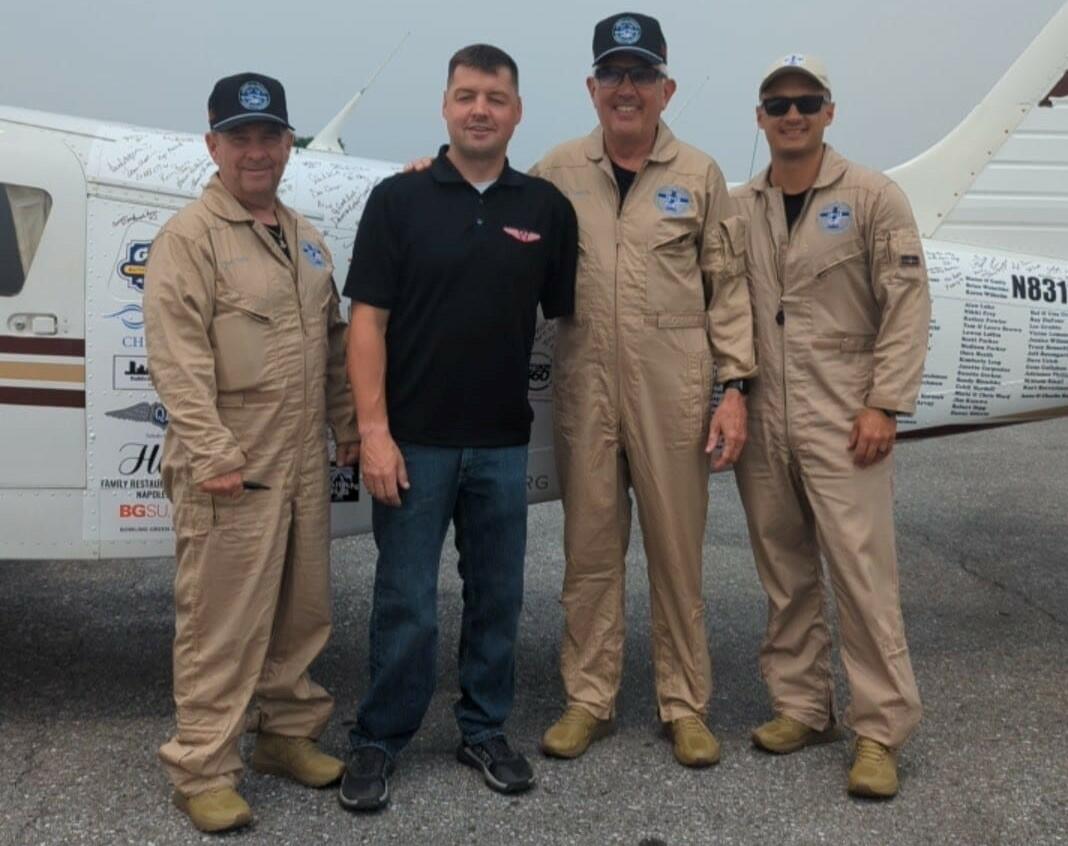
23, 212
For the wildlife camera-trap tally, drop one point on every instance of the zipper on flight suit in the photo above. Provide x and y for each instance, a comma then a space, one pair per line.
780, 317
615, 295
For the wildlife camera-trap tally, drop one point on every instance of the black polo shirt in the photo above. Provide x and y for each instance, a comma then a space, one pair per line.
462, 275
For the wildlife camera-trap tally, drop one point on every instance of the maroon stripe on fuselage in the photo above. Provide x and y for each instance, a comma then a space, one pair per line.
73, 347
53, 398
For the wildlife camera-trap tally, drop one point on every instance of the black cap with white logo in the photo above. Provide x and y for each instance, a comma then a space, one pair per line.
630, 32
246, 98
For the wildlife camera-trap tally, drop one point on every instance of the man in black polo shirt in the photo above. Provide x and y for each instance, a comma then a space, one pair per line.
449, 267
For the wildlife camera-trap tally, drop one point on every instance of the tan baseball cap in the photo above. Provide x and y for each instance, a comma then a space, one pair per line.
798, 63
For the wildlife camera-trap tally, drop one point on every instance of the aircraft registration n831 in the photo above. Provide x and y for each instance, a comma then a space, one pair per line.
81, 201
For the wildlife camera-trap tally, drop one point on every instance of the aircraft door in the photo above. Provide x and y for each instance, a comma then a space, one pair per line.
42, 313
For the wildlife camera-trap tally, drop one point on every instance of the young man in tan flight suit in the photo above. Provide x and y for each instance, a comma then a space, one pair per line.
661, 312
246, 348
842, 307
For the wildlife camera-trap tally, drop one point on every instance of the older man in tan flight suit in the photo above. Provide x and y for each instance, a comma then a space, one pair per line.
661, 312
246, 348
842, 309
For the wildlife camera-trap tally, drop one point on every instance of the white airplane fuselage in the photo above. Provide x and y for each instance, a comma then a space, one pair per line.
81, 429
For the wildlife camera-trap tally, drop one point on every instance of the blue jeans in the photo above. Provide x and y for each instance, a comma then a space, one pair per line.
483, 490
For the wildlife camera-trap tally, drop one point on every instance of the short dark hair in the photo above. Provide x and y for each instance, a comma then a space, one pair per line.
483, 57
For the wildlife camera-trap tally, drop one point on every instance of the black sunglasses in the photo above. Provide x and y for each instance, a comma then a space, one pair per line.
807, 104
612, 76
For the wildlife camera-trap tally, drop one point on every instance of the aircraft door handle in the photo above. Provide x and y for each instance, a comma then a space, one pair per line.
34, 324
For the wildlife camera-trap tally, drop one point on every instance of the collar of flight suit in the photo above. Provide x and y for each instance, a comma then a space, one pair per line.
832, 168
221, 203
665, 148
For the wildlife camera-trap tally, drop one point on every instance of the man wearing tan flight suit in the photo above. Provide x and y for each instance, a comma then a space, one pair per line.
841, 306
246, 348
661, 313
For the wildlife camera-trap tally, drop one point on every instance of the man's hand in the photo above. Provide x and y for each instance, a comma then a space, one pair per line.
228, 484
384, 473
418, 165
347, 454
872, 437
729, 422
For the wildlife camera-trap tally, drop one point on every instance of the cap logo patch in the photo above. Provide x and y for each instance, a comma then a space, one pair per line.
837, 217
626, 31
673, 200
313, 254
524, 236
254, 96
794, 60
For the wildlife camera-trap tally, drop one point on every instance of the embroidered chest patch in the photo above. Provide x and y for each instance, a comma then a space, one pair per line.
837, 217
525, 236
673, 200
313, 254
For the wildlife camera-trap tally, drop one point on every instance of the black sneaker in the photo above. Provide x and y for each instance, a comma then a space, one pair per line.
365, 784
504, 769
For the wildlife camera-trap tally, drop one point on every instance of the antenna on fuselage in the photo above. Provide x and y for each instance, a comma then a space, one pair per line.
671, 120
328, 139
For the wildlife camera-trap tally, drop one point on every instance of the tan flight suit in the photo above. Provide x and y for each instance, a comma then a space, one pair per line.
247, 351
661, 311
851, 287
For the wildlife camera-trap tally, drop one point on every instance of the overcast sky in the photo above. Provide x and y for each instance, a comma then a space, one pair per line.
904, 71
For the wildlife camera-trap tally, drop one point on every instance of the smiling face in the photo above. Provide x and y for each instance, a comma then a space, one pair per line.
628, 113
251, 159
481, 112
794, 135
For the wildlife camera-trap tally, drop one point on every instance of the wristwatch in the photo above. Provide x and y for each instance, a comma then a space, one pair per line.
740, 385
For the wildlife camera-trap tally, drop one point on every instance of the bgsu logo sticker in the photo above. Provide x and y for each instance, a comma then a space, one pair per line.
524, 236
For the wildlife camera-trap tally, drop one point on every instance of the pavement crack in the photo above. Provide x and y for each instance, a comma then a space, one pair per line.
1020, 595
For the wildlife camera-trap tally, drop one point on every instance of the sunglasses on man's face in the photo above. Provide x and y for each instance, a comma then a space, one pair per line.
807, 104
641, 76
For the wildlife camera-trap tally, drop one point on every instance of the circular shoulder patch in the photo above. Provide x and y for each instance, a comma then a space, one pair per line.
836, 217
626, 31
673, 200
254, 96
313, 254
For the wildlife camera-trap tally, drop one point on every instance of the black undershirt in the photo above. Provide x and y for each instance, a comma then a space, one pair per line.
793, 203
279, 237
624, 179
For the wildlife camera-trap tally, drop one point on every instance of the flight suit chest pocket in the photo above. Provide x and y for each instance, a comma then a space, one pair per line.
673, 276
240, 335
317, 299
842, 299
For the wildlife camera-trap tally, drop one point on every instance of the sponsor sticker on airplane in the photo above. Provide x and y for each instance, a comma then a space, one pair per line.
836, 218
254, 96
673, 200
539, 376
313, 254
131, 316
130, 373
132, 266
143, 412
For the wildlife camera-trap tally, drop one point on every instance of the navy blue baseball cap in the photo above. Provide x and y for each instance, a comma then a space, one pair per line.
247, 98
630, 32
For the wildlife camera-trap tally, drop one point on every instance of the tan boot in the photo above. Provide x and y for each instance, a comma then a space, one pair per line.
874, 771
215, 810
573, 733
784, 735
297, 758
694, 745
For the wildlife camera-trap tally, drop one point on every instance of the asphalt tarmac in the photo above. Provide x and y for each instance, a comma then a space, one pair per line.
983, 537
